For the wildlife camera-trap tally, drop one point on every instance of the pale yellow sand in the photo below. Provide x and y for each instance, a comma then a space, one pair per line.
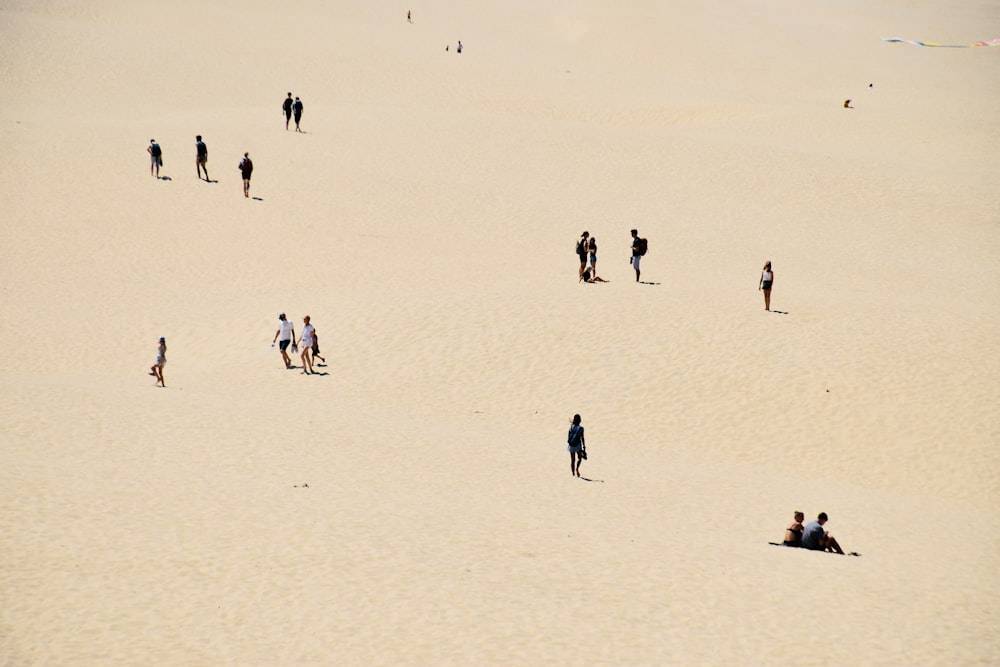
426, 221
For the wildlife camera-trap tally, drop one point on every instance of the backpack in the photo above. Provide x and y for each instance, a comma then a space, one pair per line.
579, 247
643, 247
155, 149
574, 436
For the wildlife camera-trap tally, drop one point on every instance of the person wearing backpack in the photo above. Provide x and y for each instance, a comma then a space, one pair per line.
155, 157
201, 157
582, 248
246, 167
577, 446
639, 246
297, 110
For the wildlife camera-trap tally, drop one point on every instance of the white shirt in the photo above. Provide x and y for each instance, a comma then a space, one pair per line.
285, 327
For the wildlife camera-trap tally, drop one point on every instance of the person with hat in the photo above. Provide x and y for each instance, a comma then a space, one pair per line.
286, 331
156, 370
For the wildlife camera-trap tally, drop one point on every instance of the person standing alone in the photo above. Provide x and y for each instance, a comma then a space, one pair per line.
201, 156
577, 446
766, 280
638, 250
155, 157
246, 167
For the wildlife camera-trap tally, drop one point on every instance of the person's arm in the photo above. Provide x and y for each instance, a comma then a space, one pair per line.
275, 339
760, 284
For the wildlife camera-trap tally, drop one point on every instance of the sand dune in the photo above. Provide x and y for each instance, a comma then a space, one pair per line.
411, 503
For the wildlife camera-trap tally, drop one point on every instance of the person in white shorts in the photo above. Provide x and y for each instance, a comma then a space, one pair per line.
306, 343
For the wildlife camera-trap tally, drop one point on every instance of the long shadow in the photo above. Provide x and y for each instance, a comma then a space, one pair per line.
256, 198
206, 180
323, 374
646, 282
780, 312
164, 178
587, 479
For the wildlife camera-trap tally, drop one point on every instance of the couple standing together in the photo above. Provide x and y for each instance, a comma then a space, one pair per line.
309, 342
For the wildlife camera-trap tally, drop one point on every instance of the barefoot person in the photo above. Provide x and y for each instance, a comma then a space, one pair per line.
793, 534
582, 248
286, 107
297, 110
286, 333
592, 255
201, 156
577, 446
315, 348
246, 168
156, 370
306, 343
155, 157
815, 537
766, 280
638, 250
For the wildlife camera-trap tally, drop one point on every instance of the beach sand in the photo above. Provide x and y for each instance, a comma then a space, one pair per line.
411, 504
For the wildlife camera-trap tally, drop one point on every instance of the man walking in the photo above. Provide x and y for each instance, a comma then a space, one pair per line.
201, 156
287, 108
286, 333
246, 167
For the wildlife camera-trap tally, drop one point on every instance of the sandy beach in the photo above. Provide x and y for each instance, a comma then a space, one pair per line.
411, 502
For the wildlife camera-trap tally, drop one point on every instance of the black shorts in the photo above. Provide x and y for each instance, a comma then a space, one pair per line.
283, 345
766, 285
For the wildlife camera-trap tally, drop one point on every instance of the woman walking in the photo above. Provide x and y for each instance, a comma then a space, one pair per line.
306, 343
766, 280
577, 447
156, 370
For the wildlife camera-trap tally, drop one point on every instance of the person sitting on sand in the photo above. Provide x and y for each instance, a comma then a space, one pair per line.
815, 537
591, 277
793, 534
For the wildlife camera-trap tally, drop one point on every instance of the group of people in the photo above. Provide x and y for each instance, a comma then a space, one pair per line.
586, 251
200, 162
811, 535
308, 341
290, 107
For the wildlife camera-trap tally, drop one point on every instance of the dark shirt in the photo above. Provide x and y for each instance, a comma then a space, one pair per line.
812, 535
202, 149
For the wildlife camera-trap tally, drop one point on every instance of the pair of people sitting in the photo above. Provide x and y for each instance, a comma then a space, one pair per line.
812, 535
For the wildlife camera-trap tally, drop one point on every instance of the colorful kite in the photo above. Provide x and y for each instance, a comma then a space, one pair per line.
992, 42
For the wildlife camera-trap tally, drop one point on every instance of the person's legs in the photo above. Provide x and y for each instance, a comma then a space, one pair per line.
246, 187
572, 464
306, 362
583, 266
288, 119
767, 299
157, 167
831, 544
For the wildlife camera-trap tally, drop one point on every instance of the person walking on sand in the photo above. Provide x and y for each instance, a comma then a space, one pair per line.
156, 370
315, 348
577, 446
155, 157
409, 17
306, 343
297, 110
246, 167
459, 47
201, 156
286, 107
815, 537
638, 250
286, 334
793, 534
582, 248
766, 281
